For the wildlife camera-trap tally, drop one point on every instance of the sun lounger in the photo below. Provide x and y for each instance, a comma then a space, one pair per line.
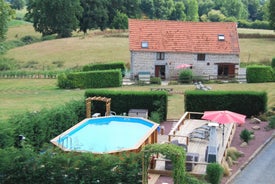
197, 135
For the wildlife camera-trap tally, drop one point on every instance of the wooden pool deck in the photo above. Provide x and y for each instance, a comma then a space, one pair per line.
181, 132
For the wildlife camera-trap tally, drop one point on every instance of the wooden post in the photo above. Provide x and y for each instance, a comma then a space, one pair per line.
88, 108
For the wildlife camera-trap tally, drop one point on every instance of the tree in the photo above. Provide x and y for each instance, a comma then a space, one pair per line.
120, 21
5, 14
205, 6
17, 4
130, 8
216, 16
58, 16
234, 8
272, 13
94, 16
146, 7
263, 13
192, 10
163, 8
178, 12
253, 8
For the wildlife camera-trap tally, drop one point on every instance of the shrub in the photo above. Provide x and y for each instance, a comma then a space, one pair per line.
233, 153
186, 76
155, 80
259, 73
271, 123
154, 116
7, 64
273, 62
245, 135
214, 172
29, 39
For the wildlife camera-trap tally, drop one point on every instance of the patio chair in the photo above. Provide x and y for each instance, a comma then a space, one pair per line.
197, 135
176, 142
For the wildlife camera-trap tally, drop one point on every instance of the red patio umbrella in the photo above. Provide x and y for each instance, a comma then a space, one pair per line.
183, 66
223, 117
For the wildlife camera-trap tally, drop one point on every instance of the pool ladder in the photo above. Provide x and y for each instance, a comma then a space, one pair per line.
69, 142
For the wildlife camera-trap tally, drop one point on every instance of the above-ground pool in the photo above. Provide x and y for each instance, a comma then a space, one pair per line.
110, 134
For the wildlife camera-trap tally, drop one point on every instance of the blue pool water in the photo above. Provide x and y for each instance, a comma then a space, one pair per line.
106, 134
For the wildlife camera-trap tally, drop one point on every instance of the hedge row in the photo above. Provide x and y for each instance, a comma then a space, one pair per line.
123, 101
254, 25
105, 66
25, 166
40, 127
259, 73
244, 102
90, 79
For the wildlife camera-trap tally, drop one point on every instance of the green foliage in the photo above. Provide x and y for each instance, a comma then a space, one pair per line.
192, 10
5, 14
271, 122
178, 12
214, 172
106, 66
216, 16
94, 16
29, 39
242, 23
154, 116
186, 76
244, 102
259, 73
91, 79
120, 21
17, 4
272, 13
7, 64
155, 80
122, 101
50, 17
7, 45
273, 62
234, 8
175, 153
40, 127
6, 135
27, 166
245, 135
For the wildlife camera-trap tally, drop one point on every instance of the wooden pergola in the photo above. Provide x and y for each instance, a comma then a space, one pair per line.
97, 98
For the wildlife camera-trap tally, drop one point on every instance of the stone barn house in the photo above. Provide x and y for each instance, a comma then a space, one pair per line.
158, 47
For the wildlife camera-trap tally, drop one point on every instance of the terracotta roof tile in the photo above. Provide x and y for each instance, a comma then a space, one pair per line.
178, 36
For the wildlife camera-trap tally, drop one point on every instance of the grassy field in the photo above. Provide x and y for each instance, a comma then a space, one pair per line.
24, 95
31, 95
78, 51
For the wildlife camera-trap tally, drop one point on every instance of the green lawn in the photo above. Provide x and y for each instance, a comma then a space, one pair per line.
95, 47
22, 95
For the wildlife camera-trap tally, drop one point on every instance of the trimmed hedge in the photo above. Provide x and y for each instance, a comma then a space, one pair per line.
56, 167
105, 66
259, 73
123, 101
91, 79
40, 127
244, 102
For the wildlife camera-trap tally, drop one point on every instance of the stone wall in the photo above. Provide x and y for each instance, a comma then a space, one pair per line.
146, 62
